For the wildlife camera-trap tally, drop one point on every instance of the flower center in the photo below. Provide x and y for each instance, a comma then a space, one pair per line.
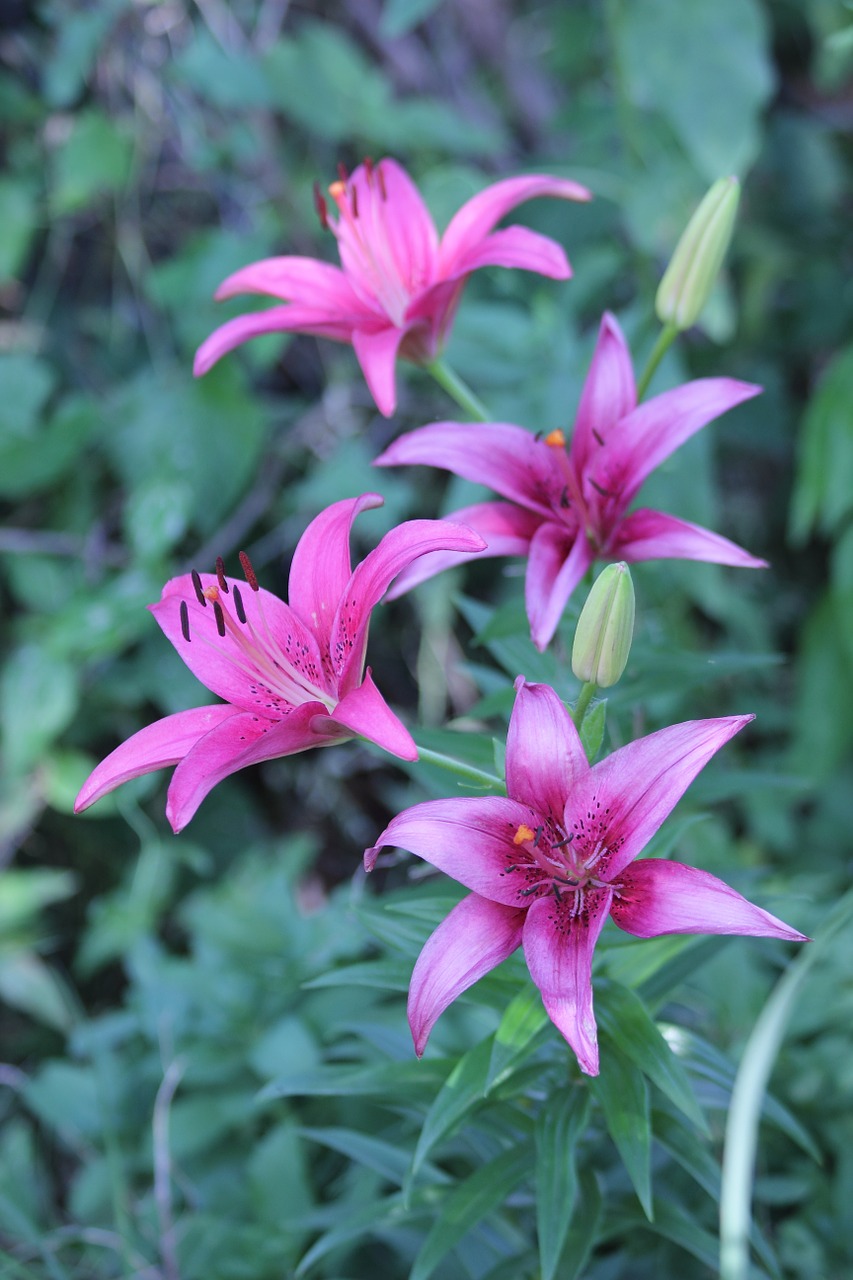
286, 672
369, 251
587, 511
567, 865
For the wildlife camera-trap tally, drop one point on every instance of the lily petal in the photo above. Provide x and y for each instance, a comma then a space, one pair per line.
516, 247
476, 936
291, 318
558, 948
308, 281
657, 897
322, 566
373, 576
237, 742
363, 711
639, 785
544, 756
507, 458
223, 664
555, 567
506, 530
609, 394
655, 429
377, 355
393, 230
653, 535
473, 222
470, 839
155, 747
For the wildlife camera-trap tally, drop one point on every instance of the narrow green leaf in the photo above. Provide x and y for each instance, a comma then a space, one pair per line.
519, 1034
623, 1095
384, 1080
463, 1090
592, 729
625, 1018
387, 975
469, 1203
583, 1230
560, 1124
388, 1159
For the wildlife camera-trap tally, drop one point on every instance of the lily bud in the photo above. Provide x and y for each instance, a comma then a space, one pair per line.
694, 266
605, 628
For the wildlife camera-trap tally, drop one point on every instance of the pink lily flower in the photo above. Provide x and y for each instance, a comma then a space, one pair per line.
567, 506
398, 286
292, 675
550, 861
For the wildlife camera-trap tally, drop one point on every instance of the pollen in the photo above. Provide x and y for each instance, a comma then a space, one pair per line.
556, 439
523, 834
211, 593
337, 190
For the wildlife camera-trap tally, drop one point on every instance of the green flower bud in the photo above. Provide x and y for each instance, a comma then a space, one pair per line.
694, 266
605, 628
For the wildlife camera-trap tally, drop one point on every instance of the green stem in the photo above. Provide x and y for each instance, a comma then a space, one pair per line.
462, 770
584, 699
748, 1098
458, 390
665, 339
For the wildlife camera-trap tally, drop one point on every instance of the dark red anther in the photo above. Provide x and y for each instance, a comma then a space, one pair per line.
185, 621
197, 588
598, 437
321, 207
353, 199
251, 576
220, 575
219, 616
342, 172
381, 176
238, 604
605, 493
368, 169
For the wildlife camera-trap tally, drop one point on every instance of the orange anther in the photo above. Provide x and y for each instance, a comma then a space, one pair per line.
556, 438
523, 834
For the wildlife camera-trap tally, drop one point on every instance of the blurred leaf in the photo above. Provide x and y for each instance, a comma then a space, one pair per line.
560, 1125
592, 729
157, 515
20, 219
400, 16
26, 382
66, 1096
468, 1203
24, 894
463, 1090
38, 699
287, 1043
387, 1159
93, 162
623, 1096
230, 79
521, 1027
23, 1189
27, 983
278, 1177
385, 1080
705, 69
80, 36
823, 495
51, 449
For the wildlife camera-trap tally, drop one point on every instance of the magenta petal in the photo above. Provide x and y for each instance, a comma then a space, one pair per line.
517, 247
372, 578
291, 318
308, 281
322, 567
468, 838
653, 535
639, 785
223, 664
479, 215
654, 430
363, 711
544, 756
160, 744
377, 355
476, 936
656, 897
609, 393
507, 458
393, 237
558, 948
242, 740
556, 565
506, 530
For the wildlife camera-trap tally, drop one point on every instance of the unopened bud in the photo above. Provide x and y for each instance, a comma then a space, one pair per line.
694, 266
605, 628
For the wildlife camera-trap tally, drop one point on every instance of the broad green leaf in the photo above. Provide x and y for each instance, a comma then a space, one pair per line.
623, 1095
26, 382
67, 1097
822, 498
38, 699
519, 1034
278, 1176
468, 1203
94, 161
352, 1227
463, 1090
19, 217
625, 1018
23, 894
27, 983
560, 1125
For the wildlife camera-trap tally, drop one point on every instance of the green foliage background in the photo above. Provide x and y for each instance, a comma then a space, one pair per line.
208, 1071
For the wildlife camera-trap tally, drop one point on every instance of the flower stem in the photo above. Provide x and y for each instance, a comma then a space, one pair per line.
458, 390
584, 699
664, 342
465, 771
